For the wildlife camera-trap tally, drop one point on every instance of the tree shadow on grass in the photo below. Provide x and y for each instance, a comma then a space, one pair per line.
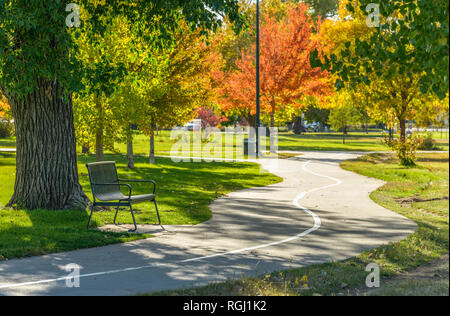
39, 232
185, 191
164, 269
9, 142
433, 159
7, 159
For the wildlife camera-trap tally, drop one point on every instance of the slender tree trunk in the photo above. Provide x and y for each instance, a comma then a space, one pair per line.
46, 160
99, 156
344, 133
391, 134
252, 125
130, 154
298, 128
272, 127
152, 148
402, 130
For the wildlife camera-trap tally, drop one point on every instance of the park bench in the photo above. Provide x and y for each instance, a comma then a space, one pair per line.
106, 190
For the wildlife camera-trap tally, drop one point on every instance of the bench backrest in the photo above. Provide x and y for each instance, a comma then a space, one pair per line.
103, 173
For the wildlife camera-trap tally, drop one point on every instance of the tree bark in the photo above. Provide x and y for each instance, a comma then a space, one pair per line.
403, 130
252, 126
272, 134
46, 159
298, 127
344, 133
99, 155
152, 148
130, 153
391, 134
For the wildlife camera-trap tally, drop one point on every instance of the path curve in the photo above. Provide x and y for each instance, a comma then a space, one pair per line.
252, 231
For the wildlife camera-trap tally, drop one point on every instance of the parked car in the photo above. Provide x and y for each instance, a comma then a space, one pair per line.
194, 125
312, 127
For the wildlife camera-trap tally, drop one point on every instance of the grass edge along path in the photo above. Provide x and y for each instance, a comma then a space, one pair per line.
429, 243
185, 191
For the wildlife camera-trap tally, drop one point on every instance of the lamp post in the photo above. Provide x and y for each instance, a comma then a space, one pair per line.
258, 110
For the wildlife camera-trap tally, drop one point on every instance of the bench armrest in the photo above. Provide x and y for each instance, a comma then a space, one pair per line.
130, 190
141, 181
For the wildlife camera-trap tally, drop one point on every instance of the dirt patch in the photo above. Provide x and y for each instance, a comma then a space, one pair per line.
428, 279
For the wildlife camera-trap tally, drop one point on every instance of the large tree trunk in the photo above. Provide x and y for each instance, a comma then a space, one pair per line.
130, 154
46, 163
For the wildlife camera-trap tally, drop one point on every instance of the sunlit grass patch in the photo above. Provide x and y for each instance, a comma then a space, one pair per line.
184, 193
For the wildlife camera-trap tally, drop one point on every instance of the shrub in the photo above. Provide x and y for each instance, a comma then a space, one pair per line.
6, 129
405, 151
428, 143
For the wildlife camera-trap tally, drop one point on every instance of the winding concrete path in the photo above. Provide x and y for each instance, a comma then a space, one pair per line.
320, 213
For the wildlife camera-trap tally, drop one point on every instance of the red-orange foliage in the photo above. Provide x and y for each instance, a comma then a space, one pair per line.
209, 118
4, 106
286, 73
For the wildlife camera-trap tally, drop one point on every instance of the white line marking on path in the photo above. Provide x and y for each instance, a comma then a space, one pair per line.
317, 221
317, 225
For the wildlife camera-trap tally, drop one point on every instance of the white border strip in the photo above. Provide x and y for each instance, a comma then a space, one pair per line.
317, 225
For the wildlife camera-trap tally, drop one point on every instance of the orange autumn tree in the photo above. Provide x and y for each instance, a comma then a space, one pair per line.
286, 74
5, 110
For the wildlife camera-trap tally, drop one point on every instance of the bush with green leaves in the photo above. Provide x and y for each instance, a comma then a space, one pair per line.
405, 150
6, 129
427, 143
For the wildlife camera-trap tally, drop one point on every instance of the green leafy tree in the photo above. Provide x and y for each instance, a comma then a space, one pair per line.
166, 91
39, 73
380, 63
411, 40
107, 56
323, 8
343, 114
314, 113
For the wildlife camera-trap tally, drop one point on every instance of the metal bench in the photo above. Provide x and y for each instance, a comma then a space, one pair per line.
106, 190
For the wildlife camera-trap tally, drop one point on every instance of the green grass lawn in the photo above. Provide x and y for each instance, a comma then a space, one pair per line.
185, 191
9, 142
332, 142
355, 141
287, 141
406, 192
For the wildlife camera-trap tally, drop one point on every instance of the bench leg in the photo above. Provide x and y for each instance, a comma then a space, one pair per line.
134, 220
157, 212
115, 217
90, 216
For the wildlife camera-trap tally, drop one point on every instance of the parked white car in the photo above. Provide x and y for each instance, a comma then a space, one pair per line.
194, 125
312, 127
